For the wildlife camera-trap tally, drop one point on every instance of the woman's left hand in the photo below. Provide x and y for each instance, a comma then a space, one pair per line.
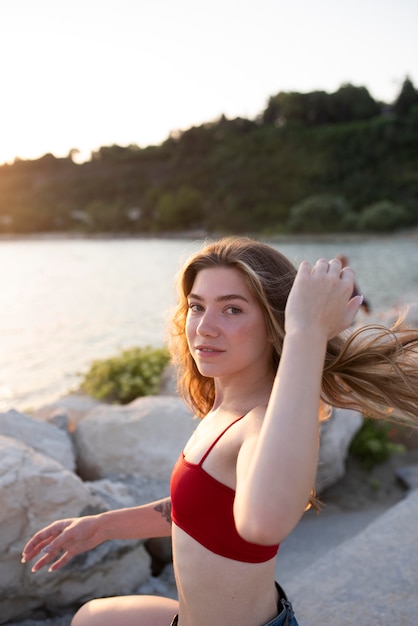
320, 298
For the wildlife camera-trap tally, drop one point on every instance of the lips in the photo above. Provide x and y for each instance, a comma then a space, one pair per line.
208, 349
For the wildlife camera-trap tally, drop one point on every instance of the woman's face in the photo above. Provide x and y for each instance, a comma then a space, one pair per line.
225, 327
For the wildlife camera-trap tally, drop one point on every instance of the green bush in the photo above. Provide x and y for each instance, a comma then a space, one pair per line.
372, 443
383, 216
319, 213
133, 373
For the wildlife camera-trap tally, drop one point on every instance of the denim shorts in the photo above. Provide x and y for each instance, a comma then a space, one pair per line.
285, 610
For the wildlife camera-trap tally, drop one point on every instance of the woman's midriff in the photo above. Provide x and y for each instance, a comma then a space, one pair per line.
215, 590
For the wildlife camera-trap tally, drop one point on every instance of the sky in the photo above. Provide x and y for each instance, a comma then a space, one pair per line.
81, 74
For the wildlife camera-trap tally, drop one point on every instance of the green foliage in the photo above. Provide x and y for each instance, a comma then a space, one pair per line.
180, 209
383, 216
372, 443
133, 373
319, 213
236, 175
348, 104
407, 99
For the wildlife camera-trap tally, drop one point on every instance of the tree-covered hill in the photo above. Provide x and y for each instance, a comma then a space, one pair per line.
311, 162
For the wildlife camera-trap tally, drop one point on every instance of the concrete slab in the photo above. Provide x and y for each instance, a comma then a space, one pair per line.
371, 578
316, 535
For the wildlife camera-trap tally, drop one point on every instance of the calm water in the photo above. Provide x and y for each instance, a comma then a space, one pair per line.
64, 303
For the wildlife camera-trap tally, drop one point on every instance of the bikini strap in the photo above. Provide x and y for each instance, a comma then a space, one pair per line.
217, 439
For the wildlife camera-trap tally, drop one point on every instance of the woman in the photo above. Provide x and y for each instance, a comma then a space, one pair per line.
259, 351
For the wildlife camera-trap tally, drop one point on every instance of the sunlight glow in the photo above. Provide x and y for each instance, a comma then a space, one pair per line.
89, 73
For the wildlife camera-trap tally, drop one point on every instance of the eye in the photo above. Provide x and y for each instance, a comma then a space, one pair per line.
233, 310
194, 307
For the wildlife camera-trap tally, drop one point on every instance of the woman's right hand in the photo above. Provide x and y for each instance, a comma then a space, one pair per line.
59, 542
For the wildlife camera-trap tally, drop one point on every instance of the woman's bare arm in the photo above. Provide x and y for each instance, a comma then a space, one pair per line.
276, 470
59, 542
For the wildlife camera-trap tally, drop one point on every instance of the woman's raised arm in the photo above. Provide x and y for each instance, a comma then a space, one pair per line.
275, 477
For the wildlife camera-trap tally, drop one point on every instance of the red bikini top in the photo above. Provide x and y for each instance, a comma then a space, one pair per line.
203, 507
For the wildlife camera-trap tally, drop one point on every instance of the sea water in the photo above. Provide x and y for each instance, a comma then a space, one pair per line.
66, 302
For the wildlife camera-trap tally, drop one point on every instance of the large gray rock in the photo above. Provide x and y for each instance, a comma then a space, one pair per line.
336, 436
34, 491
142, 438
45, 438
68, 410
369, 579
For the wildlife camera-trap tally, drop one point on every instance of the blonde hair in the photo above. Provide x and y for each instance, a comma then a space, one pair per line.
373, 369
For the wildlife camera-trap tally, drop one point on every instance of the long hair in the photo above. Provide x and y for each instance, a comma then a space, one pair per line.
373, 369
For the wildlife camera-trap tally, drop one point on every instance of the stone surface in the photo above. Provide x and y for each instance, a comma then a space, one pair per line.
144, 438
336, 436
34, 491
408, 476
45, 438
73, 407
369, 579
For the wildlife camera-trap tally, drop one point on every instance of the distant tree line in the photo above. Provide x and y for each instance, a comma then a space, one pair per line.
313, 162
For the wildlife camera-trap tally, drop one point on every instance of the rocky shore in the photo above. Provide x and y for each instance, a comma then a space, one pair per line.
78, 456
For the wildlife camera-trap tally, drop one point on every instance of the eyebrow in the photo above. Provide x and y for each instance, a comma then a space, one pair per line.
226, 297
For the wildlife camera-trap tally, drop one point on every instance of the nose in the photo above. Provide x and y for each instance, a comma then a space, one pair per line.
207, 326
